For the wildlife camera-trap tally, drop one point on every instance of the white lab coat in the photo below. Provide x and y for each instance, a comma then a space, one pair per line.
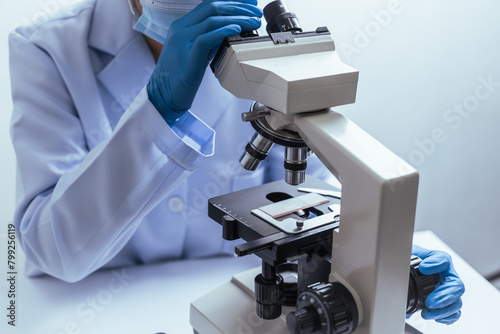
102, 180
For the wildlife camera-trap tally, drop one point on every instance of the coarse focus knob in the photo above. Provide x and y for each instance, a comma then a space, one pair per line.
324, 308
420, 286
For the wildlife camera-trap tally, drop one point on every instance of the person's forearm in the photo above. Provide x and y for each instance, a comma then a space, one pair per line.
81, 223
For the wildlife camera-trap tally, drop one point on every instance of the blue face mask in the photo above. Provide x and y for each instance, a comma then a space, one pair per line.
158, 15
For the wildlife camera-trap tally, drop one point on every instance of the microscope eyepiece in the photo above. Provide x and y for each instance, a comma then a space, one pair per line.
279, 19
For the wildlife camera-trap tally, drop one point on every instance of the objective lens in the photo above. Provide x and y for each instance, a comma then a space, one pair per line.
256, 151
279, 19
295, 165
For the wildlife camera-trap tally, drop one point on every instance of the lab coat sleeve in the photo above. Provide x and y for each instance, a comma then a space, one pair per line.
75, 208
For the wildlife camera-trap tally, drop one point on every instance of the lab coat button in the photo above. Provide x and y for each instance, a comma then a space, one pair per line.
175, 204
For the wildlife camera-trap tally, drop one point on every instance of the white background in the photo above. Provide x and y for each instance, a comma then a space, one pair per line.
417, 60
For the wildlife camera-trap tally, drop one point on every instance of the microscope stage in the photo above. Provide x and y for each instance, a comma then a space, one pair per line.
277, 218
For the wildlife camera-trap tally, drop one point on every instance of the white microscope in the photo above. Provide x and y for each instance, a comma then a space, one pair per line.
331, 262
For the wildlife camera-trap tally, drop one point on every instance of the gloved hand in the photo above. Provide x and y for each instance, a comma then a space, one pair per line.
444, 303
191, 43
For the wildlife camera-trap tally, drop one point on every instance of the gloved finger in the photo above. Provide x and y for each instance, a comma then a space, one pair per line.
434, 314
447, 293
208, 2
231, 8
205, 43
420, 252
435, 262
217, 22
199, 14
450, 319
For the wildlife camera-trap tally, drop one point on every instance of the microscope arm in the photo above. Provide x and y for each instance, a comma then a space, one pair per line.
372, 247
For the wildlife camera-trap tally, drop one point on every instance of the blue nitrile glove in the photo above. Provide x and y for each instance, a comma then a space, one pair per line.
444, 303
191, 43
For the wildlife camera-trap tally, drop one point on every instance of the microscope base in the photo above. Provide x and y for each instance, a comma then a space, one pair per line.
230, 309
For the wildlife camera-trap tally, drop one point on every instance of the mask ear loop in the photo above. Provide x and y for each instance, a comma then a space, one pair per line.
131, 5
133, 10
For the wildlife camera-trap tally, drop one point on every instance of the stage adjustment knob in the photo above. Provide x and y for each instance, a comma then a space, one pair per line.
268, 297
324, 308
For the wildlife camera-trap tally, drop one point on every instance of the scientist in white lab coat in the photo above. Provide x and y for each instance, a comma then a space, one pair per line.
113, 118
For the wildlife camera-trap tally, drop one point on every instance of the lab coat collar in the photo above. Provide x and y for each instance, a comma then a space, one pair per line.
112, 18
127, 74
111, 31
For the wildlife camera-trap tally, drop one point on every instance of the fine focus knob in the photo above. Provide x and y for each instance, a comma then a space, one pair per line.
305, 321
420, 286
327, 308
